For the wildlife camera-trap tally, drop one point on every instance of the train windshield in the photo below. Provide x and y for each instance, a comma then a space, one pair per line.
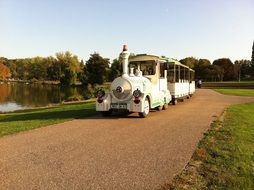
147, 67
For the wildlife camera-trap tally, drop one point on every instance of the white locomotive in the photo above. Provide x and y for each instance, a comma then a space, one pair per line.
148, 82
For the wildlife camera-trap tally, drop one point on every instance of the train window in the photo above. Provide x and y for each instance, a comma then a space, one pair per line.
177, 73
182, 73
192, 76
186, 74
171, 73
133, 65
188, 77
163, 67
147, 67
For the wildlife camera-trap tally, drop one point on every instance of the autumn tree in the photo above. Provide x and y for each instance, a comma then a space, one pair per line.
4, 71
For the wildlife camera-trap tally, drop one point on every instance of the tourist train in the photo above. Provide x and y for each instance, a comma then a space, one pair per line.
148, 82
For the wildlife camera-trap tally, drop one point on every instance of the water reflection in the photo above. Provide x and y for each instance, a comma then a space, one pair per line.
14, 96
11, 106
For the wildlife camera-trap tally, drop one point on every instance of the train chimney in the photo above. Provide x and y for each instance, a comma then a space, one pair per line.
125, 55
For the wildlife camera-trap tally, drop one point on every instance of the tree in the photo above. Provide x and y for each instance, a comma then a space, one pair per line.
4, 71
227, 66
13, 68
212, 73
83, 78
69, 66
201, 67
53, 69
189, 61
252, 60
37, 68
22, 68
96, 68
242, 69
115, 69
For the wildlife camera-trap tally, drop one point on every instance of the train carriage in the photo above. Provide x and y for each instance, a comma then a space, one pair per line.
148, 82
181, 83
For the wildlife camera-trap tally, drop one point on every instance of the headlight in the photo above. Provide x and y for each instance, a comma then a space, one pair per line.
100, 93
137, 93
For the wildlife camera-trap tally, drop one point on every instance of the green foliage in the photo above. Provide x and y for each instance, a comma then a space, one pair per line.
64, 68
252, 59
53, 69
37, 68
96, 69
242, 69
190, 62
203, 68
68, 70
227, 66
69, 67
115, 69
221, 69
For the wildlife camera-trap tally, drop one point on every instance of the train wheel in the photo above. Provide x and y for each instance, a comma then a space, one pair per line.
146, 109
106, 113
165, 106
174, 101
159, 108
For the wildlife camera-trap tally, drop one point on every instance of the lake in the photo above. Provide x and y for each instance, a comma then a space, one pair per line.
17, 96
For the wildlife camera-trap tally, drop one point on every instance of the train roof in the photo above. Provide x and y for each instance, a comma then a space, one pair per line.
174, 61
146, 57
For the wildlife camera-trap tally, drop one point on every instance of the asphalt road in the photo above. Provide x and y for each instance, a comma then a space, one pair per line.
110, 153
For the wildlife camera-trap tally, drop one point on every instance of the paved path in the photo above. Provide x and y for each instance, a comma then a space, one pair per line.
114, 153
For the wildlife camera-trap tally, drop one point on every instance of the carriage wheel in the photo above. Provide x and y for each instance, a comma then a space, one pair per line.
146, 109
165, 106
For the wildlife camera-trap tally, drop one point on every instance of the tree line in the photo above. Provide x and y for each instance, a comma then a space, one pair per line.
64, 68
67, 69
222, 69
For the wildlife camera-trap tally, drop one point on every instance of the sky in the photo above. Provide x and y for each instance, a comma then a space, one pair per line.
209, 29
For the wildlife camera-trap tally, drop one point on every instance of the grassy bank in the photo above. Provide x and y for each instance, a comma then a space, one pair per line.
242, 85
224, 158
21, 121
236, 92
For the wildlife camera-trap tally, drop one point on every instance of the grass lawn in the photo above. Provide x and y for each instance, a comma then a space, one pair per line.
224, 158
11, 123
229, 84
236, 92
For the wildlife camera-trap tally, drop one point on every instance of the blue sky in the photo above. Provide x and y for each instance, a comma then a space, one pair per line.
201, 28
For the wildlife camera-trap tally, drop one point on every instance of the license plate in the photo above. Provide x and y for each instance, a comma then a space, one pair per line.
119, 106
